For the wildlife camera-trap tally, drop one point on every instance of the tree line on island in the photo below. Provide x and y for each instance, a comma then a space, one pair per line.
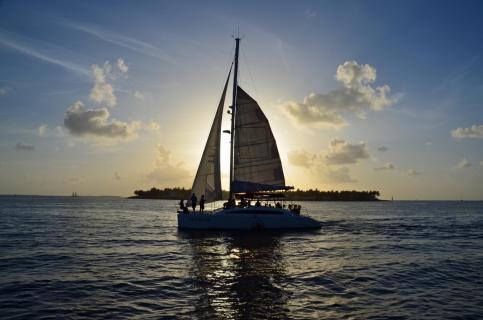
178, 193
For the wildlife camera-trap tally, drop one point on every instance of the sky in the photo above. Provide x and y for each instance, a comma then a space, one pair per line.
107, 97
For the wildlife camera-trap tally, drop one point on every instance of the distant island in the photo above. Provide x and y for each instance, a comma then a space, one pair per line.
293, 195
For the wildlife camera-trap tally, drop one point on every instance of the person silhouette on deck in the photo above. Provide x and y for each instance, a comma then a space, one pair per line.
202, 203
194, 201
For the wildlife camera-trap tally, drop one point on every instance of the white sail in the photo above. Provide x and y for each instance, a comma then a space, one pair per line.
256, 157
208, 177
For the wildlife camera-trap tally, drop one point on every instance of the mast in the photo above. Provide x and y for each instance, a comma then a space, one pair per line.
233, 114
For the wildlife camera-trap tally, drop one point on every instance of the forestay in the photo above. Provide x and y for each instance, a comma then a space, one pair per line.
208, 177
256, 157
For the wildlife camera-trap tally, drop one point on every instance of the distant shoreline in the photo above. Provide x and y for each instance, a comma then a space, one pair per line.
294, 195
286, 199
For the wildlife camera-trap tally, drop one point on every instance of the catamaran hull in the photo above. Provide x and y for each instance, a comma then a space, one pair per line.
245, 221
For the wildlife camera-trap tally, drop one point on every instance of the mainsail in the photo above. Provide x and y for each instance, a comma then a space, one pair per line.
208, 177
256, 157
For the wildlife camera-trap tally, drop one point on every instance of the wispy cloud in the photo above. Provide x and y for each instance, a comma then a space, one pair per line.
121, 40
42, 51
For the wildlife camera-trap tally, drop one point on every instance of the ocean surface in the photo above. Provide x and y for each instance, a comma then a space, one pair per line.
114, 258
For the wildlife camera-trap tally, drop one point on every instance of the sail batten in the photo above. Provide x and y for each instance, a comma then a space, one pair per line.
208, 176
256, 156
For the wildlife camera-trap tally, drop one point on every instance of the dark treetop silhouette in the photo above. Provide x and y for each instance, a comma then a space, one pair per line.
178, 193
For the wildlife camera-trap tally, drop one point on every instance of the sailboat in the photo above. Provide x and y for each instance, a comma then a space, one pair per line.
256, 173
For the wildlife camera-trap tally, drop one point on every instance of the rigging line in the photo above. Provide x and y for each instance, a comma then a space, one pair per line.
228, 65
250, 74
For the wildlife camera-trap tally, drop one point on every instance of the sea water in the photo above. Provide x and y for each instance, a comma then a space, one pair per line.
115, 258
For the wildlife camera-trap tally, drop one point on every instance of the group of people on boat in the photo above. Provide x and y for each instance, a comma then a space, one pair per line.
194, 202
231, 203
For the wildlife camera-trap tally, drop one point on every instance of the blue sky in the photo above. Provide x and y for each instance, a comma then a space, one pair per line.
160, 70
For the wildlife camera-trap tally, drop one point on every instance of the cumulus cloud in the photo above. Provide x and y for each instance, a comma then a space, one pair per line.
355, 95
42, 130
95, 123
339, 152
122, 66
301, 158
387, 166
382, 149
474, 132
464, 163
102, 92
167, 173
412, 172
24, 146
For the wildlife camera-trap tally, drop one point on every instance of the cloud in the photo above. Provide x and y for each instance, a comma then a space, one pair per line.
341, 152
309, 13
95, 123
327, 163
122, 66
165, 172
42, 130
355, 95
464, 163
152, 126
4, 91
382, 149
387, 166
41, 51
24, 146
474, 132
301, 158
102, 90
139, 95
122, 40
412, 172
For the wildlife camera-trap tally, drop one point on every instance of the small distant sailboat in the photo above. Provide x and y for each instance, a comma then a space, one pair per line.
256, 172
